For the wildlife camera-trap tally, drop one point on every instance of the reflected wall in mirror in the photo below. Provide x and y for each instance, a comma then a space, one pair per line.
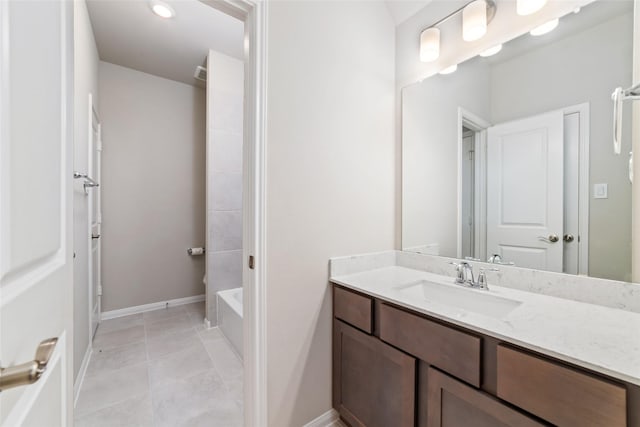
512, 155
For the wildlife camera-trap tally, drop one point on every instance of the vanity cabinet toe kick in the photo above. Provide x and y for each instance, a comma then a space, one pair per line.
393, 367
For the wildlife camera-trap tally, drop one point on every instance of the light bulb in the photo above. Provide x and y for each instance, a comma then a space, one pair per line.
430, 44
474, 20
545, 28
163, 10
449, 70
491, 51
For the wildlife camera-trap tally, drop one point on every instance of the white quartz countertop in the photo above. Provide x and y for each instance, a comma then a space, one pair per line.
602, 339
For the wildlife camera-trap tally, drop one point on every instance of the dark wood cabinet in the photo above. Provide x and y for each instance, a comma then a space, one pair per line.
394, 367
451, 403
373, 383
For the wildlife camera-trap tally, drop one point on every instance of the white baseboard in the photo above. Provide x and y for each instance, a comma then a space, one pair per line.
328, 419
77, 385
106, 315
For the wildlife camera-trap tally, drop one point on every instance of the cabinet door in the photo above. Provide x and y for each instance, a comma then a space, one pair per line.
451, 403
373, 383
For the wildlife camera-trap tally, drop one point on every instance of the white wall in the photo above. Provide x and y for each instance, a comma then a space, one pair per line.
153, 187
225, 88
430, 153
600, 60
85, 82
330, 180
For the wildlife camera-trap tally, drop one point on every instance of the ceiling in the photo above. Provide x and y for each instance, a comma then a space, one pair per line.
401, 10
127, 33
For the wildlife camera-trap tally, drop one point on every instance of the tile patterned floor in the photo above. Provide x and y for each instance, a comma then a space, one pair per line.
161, 368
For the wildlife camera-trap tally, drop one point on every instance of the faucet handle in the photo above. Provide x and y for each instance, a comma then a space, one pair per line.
482, 278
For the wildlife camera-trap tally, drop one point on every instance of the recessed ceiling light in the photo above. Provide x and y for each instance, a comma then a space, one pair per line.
545, 28
491, 51
449, 70
162, 9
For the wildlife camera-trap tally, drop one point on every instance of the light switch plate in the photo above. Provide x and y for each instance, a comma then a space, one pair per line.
600, 191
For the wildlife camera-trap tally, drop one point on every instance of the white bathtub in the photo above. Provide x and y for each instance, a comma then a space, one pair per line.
230, 316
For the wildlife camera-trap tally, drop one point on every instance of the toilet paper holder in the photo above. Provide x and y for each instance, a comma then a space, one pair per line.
195, 251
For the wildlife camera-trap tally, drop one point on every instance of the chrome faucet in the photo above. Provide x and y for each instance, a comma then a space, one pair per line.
464, 275
495, 259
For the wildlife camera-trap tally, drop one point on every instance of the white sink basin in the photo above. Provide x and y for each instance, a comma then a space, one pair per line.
456, 296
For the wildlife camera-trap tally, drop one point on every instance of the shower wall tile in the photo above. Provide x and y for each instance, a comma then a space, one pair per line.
224, 177
226, 230
228, 107
227, 151
226, 270
225, 192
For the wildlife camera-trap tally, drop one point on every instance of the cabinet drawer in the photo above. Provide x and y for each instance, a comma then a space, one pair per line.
353, 308
558, 394
455, 352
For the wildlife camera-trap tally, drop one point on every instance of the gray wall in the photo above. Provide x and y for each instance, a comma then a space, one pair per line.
430, 152
225, 87
153, 187
85, 82
548, 79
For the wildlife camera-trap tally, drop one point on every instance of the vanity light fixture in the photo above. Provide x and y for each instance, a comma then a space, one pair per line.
430, 44
491, 51
449, 70
545, 28
162, 9
476, 15
474, 20
529, 7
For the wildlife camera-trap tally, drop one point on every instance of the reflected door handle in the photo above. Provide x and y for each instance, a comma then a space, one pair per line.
30, 372
553, 238
568, 238
95, 236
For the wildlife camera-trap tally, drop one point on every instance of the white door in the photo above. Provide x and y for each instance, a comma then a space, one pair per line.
36, 246
95, 218
525, 191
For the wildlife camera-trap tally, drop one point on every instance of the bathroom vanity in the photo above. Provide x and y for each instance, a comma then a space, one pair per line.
410, 348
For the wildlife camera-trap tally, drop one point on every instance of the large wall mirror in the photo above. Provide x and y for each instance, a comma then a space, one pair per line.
510, 158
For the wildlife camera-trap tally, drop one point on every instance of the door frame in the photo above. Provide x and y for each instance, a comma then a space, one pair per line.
479, 126
583, 184
92, 113
254, 15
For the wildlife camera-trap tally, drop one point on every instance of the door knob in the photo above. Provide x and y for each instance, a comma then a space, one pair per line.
30, 372
551, 239
568, 238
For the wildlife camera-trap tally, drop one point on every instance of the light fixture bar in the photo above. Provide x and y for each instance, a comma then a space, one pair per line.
491, 12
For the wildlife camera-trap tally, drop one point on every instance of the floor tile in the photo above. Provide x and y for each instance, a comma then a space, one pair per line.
171, 343
225, 360
135, 412
105, 340
195, 308
120, 323
210, 334
223, 413
111, 359
196, 320
104, 390
179, 402
182, 364
163, 313
164, 327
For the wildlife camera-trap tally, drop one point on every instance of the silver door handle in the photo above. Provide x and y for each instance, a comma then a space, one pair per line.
553, 238
95, 236
568, 238
30, 372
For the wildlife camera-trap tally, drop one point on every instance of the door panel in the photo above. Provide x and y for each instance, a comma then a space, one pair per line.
525, 191
36, 44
